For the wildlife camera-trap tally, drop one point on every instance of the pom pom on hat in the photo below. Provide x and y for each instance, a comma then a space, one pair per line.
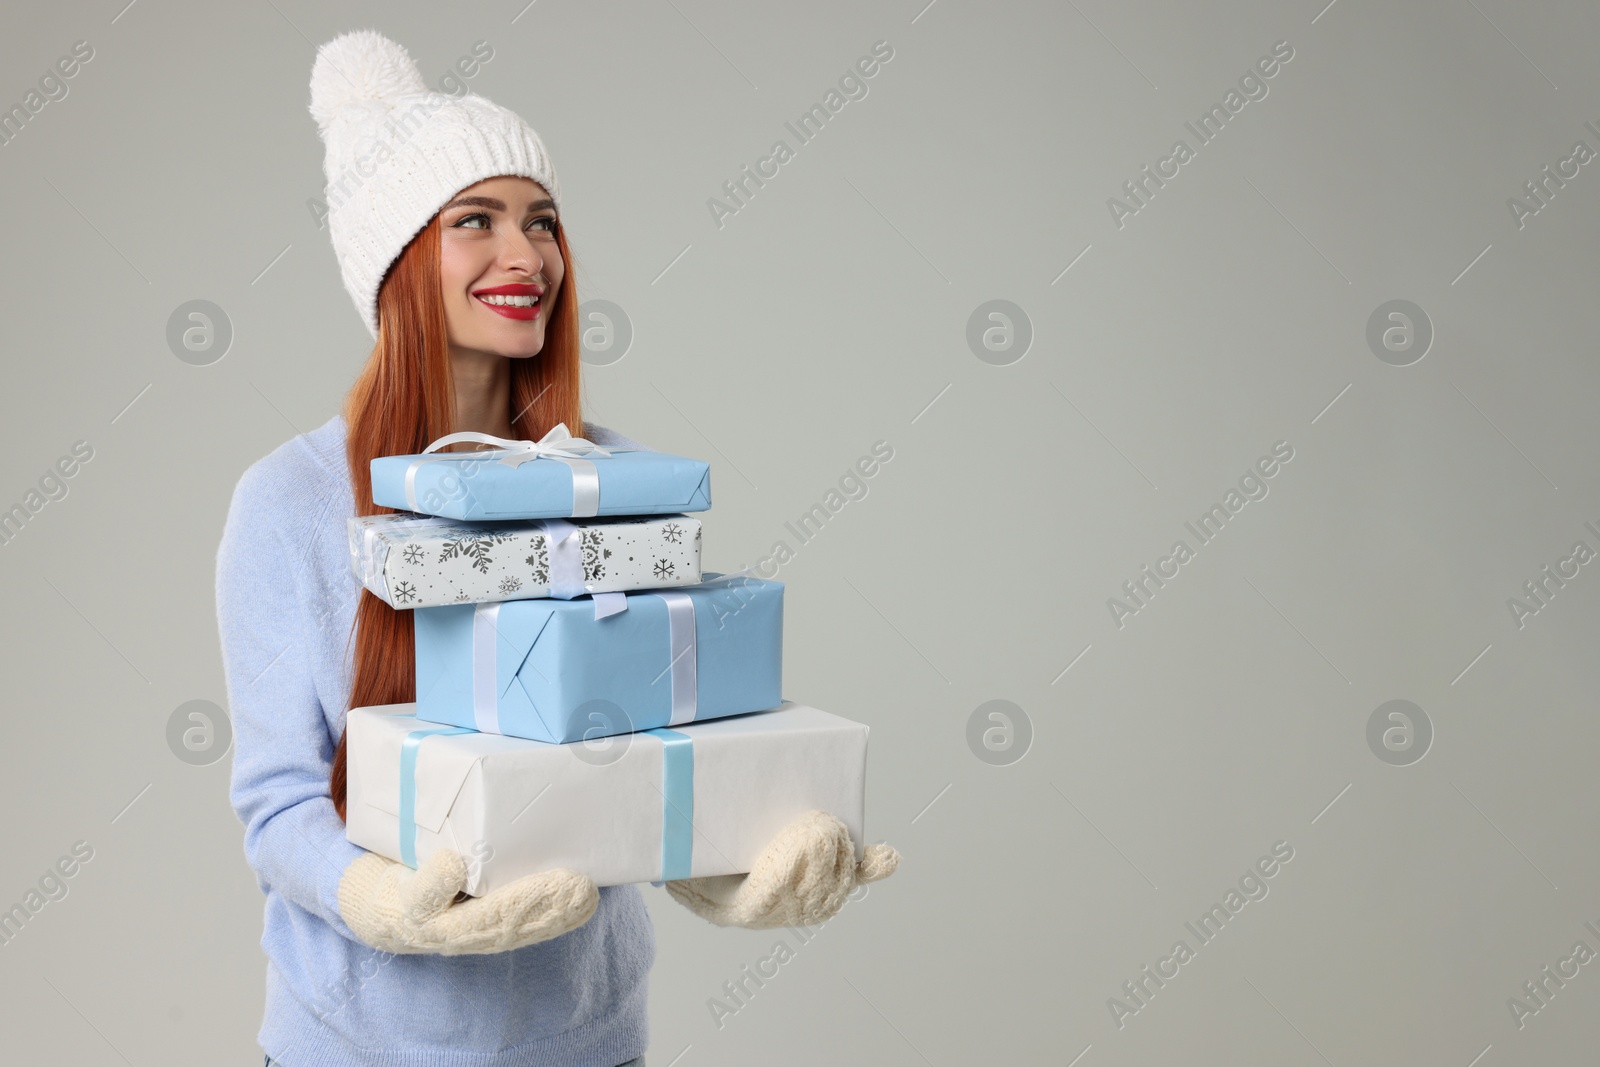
397, 151
361, 67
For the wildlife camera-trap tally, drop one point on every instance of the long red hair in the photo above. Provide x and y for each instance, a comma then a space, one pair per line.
403, 400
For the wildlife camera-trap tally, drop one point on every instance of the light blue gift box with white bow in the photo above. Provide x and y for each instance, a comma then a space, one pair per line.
558, 476
612, 663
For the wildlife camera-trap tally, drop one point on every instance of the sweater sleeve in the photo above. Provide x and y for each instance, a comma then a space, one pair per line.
282, 755
604, 435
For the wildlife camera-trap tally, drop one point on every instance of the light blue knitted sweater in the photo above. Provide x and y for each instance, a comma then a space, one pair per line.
285, 602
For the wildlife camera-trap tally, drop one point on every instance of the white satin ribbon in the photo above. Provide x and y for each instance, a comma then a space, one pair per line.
609, 603
485, 695
558, 444
565, 546
685, 656
585, 487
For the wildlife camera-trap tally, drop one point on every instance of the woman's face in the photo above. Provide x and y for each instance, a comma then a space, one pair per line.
498, 253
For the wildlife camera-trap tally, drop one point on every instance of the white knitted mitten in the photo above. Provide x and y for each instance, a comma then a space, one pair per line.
800, 878
395, 909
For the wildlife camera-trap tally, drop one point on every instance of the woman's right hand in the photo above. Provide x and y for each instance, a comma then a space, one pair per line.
395, 909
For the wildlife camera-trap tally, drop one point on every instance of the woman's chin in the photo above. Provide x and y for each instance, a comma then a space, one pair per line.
524, 345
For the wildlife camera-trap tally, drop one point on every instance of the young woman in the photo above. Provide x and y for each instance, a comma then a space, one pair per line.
444, 214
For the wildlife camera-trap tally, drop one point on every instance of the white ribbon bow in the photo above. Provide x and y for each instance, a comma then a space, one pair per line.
558, 444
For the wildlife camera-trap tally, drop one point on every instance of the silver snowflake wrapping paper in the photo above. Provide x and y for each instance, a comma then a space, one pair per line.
413, 561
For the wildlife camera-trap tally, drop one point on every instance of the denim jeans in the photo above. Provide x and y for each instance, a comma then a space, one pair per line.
636, 1062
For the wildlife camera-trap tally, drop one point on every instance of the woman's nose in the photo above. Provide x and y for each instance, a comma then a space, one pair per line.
519, 250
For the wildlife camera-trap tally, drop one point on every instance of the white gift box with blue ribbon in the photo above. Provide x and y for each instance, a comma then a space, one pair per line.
656, 805
558, 476
566, 670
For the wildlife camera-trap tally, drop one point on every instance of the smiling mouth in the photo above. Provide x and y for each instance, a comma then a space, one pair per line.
524, 308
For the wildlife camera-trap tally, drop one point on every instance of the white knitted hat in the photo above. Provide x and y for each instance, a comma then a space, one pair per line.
398, 152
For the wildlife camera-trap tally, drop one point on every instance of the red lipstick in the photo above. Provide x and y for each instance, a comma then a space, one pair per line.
520, 300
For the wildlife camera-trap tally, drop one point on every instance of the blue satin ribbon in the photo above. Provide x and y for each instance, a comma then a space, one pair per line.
408, 788
677, 803
677, 797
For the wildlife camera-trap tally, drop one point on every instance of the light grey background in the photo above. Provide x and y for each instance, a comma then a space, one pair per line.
829, 313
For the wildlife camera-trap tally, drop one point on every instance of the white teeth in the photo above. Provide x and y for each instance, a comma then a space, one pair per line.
511, 301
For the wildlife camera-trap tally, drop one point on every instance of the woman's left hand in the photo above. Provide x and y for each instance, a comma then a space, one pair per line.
800, 878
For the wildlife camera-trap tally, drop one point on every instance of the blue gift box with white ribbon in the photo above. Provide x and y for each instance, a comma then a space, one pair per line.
558, 476
611, 663
686, 802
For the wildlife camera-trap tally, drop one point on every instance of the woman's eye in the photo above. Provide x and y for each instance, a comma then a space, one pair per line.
548, 222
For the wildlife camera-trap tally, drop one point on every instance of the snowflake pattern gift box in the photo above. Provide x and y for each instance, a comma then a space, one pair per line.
564, 670
412, 561
703, 799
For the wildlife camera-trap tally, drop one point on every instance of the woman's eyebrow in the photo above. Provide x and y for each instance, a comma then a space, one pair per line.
497, 205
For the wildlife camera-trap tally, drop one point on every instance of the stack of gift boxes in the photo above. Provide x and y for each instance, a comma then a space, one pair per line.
587, 697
